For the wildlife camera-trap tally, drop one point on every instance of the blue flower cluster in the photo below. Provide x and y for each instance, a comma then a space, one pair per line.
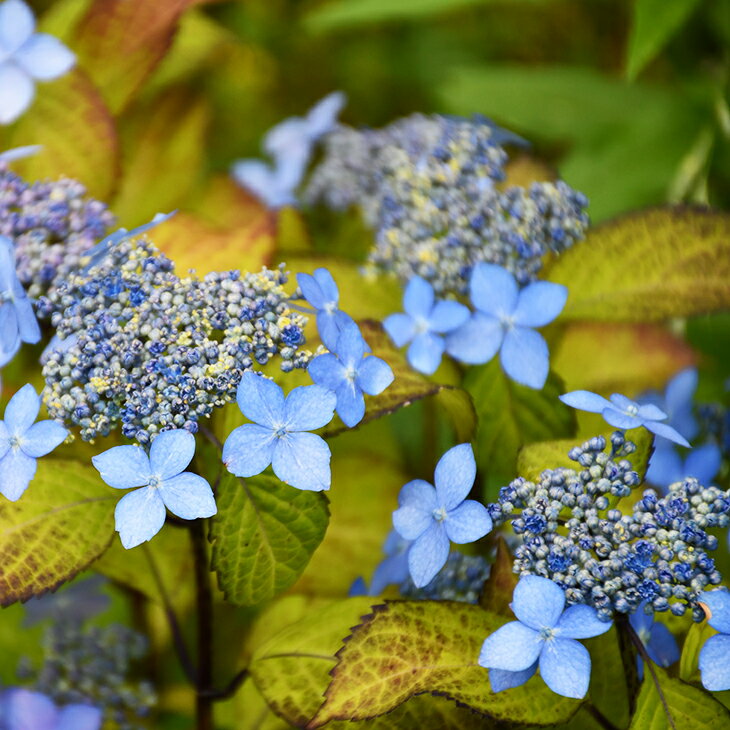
51, 225
147, 350
570, 533
427, 185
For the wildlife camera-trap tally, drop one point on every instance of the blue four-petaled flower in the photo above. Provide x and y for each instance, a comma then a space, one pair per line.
425, 322
22, 441
159, 481
320, 290
24, 709
503, 322
278, 434
25, 57
543, 636
622, 412
18, 322
433, 516
713, 659
349, 373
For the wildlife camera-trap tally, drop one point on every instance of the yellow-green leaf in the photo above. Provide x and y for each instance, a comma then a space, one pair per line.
648, 266
691, 708
535, 458
63, 522
634, 357
72, 122
409, 647
609, 690
263, 536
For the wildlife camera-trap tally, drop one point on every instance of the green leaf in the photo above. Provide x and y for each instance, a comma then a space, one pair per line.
409, 647
512, 415
292, 669
63, 522
339, 14
654, 23
77, 131
609, 691
649, 266
691, 708
263, 536
120, 43
535, 458
634, 357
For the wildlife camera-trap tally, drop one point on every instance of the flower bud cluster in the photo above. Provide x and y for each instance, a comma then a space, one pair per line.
461, 579
52, 225
145, 350
427, 185
572, 533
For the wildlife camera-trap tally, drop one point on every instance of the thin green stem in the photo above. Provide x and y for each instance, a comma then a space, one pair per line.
204, 619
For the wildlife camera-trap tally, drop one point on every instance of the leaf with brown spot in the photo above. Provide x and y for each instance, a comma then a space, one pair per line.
409, 647
648, 266
633, 357
63, 522
72, 122
120, 43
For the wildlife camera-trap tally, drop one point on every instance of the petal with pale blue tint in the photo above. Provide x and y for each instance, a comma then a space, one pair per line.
714, 664
454, 476
16, 472
350, 345
651, 412
308, 407
260, 179
139, 516
493, 290
42, 437
123, 467
322, 117
24, 709
392, 570
350, 403
188, 496
22, 410
717, 604
539, 304
4, 439
312, 291
328, 326
418, 298
16, 92
662, 646
261, 400
44, 57
16, 25
425, 352
28, 326
290, 134
667, 432
19, 153
665, 466
79, 717
428, 555
327, 285
703, 463
524, 357
446, 316
302, 460
9, 334
513, 647
171, 452
619, 419
414, 516
374, 375
678, 402
500, 679
326, 370
400, 328
565, 666
623, 403
477, 341
248, 450
581, 622
469, 522
584, 400
537, 602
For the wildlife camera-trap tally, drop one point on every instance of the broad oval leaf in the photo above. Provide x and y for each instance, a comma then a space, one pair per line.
406, 648
63, 522
649, 266
263, 536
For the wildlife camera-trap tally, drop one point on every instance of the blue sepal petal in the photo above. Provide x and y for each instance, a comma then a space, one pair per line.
428, 554
139, 516
537, 602
513, 647
565, 666
454, 476
302, 460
